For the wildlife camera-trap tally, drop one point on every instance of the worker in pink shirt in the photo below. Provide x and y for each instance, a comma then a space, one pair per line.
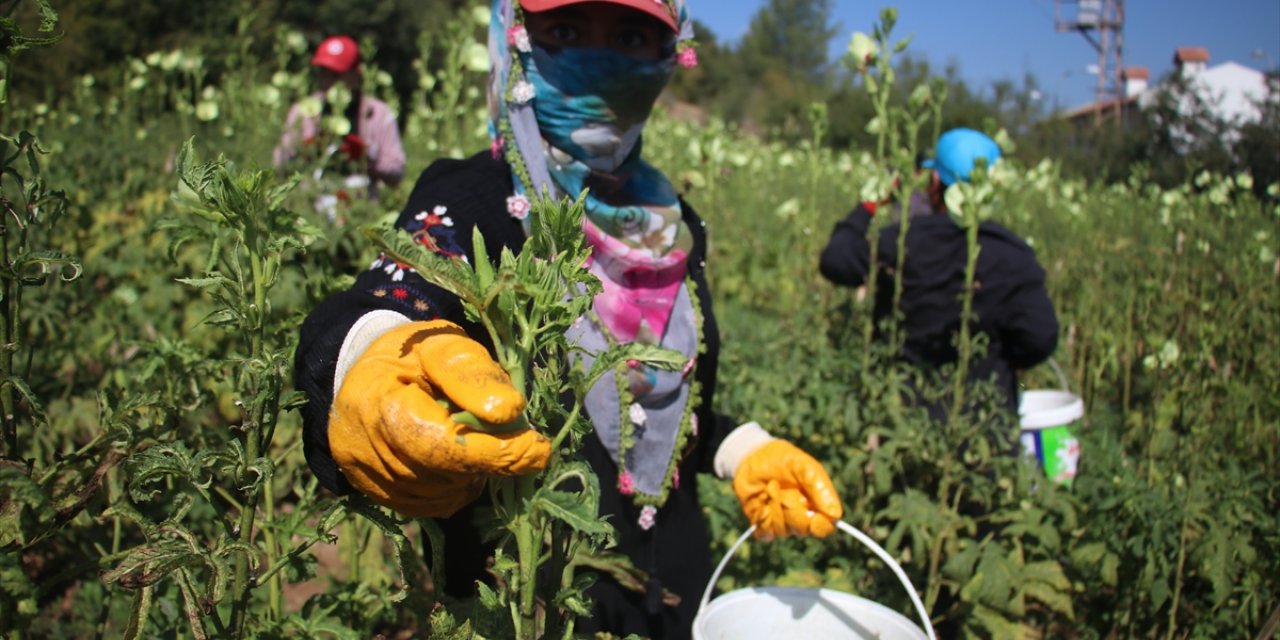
368, 152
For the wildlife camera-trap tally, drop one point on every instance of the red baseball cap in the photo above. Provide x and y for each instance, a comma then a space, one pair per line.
339, 54
656, 8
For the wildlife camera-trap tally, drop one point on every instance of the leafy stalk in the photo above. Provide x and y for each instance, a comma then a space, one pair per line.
526, 303
965, 340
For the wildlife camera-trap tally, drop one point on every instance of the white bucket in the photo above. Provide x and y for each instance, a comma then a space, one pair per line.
781, 613
1047, 418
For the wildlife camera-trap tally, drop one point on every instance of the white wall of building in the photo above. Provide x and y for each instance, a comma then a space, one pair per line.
1232, 91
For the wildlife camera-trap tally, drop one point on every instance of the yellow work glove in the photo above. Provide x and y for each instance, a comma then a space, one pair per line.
783, 490
395, 440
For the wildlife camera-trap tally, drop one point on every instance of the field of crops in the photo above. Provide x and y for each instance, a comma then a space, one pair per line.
152, 482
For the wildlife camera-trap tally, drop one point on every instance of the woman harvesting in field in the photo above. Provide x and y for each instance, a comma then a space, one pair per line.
372, 143
572, 84
1011, 305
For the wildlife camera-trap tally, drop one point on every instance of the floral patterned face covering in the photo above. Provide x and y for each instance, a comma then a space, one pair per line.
591, 106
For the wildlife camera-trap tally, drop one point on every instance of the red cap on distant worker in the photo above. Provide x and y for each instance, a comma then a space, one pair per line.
656, 8
339, 54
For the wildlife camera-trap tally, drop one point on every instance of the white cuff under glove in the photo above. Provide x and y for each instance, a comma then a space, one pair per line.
368, 328
783, 490
740, 442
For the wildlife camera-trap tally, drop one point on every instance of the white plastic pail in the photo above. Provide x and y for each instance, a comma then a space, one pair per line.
782, 613
1047, 419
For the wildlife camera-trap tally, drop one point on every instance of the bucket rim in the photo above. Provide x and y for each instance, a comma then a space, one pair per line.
886, 615
857, 535
1063, 408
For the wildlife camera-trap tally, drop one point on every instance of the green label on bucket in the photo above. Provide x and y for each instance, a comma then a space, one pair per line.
1059, 450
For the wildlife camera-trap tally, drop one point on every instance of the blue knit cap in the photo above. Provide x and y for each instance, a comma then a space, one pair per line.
958, 151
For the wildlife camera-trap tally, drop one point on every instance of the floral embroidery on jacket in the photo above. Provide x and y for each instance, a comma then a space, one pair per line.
434, 230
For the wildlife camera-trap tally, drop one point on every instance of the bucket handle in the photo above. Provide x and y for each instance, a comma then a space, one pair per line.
860, 537
1062, 377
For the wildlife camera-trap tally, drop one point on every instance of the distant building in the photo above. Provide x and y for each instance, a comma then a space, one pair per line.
1231, 91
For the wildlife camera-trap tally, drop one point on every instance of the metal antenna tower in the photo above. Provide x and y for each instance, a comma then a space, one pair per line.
1101, 22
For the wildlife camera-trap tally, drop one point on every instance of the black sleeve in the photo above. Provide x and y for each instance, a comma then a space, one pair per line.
1027, 324
450, 198
846, 259
713, 427
1030, 331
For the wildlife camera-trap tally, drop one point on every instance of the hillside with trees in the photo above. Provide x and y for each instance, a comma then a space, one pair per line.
765, 84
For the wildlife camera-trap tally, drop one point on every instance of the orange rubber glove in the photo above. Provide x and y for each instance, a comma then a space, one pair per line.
785, 491
397, 444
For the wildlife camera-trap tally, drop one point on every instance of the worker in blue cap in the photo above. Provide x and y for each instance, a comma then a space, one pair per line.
957, 154
1011, 305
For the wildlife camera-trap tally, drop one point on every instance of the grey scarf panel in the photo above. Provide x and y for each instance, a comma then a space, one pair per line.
662, 395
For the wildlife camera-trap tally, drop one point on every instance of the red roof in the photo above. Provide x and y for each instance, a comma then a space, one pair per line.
1106, 105
1136, 73
1191, 54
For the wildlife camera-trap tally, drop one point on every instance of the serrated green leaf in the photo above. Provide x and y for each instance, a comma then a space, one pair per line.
503, 563
24, 390
488, 598
293, 400
960, 565
994, 583
1110, 571
579, 606
335, 513
206, 282
228, 549
360, 505
138, 614
1047, 572
1159, 592
572, 510
436, 540
1089, 554
45, 261
222, 318
613, 358
26, 507
260, 472
278, 194
1051, 596
191, 605
147, 565
1000, 626
157, 463
480, 255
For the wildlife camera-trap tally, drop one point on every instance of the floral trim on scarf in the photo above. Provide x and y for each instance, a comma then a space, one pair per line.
632, 415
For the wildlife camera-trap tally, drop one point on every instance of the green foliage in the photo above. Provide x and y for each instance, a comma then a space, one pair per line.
526, 304
131, 499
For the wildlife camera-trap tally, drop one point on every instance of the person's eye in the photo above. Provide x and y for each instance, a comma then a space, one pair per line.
564, 32
633, 39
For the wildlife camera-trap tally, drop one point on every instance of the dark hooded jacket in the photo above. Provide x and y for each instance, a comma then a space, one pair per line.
1011, 305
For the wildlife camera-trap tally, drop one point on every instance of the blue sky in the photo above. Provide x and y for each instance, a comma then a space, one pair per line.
1006, 38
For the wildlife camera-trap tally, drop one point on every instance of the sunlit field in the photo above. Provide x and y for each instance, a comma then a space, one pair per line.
152, 481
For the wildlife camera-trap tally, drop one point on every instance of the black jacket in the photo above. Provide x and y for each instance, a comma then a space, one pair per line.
1010, 301
473, 192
